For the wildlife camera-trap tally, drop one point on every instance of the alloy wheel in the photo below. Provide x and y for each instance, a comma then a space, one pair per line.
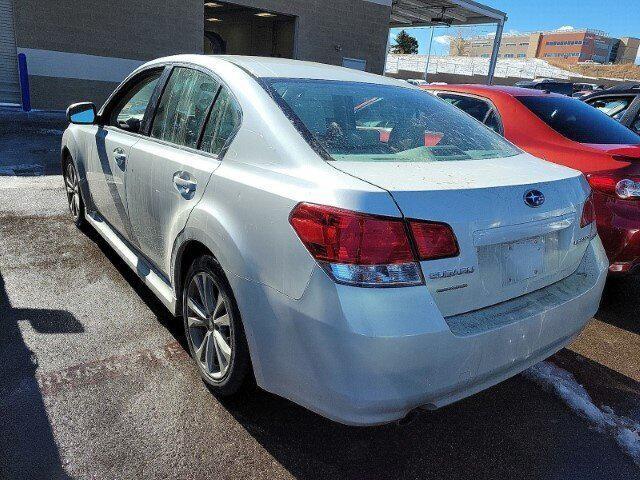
73, 190
208, 326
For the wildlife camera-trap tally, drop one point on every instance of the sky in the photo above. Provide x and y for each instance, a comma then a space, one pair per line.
619, 18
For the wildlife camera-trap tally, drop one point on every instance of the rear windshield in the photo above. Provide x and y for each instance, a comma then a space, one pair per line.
578, 121
370, 122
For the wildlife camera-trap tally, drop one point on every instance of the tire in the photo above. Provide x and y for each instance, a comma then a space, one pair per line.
213, 328
74, 194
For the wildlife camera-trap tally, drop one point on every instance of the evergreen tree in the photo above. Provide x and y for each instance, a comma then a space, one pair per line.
405, 44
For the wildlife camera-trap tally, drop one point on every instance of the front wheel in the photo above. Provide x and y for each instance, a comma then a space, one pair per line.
74, 196
214, 331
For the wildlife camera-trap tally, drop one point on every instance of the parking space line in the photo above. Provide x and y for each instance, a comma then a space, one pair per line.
94, 372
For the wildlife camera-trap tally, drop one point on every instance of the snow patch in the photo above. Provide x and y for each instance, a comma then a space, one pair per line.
625, 431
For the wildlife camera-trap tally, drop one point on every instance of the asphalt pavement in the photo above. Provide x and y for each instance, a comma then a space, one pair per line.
96, 382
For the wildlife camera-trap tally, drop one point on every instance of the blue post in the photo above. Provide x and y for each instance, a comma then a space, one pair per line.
24, 82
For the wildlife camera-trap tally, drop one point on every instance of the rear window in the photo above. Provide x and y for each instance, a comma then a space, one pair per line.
370, 122
578, 121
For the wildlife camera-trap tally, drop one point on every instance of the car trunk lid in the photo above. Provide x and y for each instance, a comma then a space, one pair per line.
507, 248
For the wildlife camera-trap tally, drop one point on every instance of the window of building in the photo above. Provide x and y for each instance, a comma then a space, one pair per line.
509, 55
521, 55
524, 44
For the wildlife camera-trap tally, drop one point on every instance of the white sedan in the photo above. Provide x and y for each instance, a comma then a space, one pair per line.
353, 243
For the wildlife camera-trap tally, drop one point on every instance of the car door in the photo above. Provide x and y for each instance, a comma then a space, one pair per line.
122, 120
171, 168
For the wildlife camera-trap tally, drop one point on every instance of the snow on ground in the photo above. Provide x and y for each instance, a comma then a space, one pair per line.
506, 67
625, 431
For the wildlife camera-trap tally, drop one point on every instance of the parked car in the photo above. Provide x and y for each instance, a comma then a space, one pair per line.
417, 81
583, 89
621, 103
549, 85
569, 132
359, 274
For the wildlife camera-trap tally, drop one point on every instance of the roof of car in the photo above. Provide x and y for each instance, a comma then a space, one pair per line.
263, 67
492, 89
633, 89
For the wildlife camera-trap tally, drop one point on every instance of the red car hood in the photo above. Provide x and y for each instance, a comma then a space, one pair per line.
630, 151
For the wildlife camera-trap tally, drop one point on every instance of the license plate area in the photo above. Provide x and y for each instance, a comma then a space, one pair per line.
522, 260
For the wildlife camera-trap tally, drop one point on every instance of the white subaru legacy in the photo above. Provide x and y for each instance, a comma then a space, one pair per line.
348, 241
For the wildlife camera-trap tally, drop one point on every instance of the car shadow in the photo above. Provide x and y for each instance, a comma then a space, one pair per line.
27, 446
105, 165
621, 303
163, 316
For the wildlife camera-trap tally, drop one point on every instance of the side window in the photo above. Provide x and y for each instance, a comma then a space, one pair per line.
129, 111
479, 109
635, 125
223, 123
473, 106
615, 107
183, 107
493, 122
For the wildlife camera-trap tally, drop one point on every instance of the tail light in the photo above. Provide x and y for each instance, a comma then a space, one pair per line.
588, 212
370, 250
626, 187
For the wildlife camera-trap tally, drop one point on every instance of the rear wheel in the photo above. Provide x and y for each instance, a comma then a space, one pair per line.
214, 331
74, 196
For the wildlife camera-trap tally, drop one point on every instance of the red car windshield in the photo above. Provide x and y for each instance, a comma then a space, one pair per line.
578, 121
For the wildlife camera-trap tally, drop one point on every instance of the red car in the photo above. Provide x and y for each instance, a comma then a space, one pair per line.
567, 131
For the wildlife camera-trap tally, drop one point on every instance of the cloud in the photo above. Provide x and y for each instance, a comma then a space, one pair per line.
565, 28
443, 39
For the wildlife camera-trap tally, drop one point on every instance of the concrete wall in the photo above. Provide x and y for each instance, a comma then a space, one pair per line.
80, 49
328, 30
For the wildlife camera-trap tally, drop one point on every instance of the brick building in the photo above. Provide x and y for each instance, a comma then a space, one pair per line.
571, 45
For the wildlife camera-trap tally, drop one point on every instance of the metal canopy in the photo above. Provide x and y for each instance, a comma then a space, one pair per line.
433, 13
438, 13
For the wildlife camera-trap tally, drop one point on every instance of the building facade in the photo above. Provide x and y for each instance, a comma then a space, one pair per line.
570, 45
81, 49
627, 50
512, 46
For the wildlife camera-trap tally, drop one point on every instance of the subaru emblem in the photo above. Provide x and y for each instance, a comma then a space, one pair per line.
534, 198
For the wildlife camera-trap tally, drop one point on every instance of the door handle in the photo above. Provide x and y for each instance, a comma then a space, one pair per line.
120, 157
185, 184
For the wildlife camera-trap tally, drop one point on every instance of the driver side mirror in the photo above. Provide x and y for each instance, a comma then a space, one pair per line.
82, 113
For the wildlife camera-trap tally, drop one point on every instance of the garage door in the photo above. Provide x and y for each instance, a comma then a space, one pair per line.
9, 86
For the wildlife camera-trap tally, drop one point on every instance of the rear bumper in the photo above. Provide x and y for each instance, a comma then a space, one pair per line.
370, 356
